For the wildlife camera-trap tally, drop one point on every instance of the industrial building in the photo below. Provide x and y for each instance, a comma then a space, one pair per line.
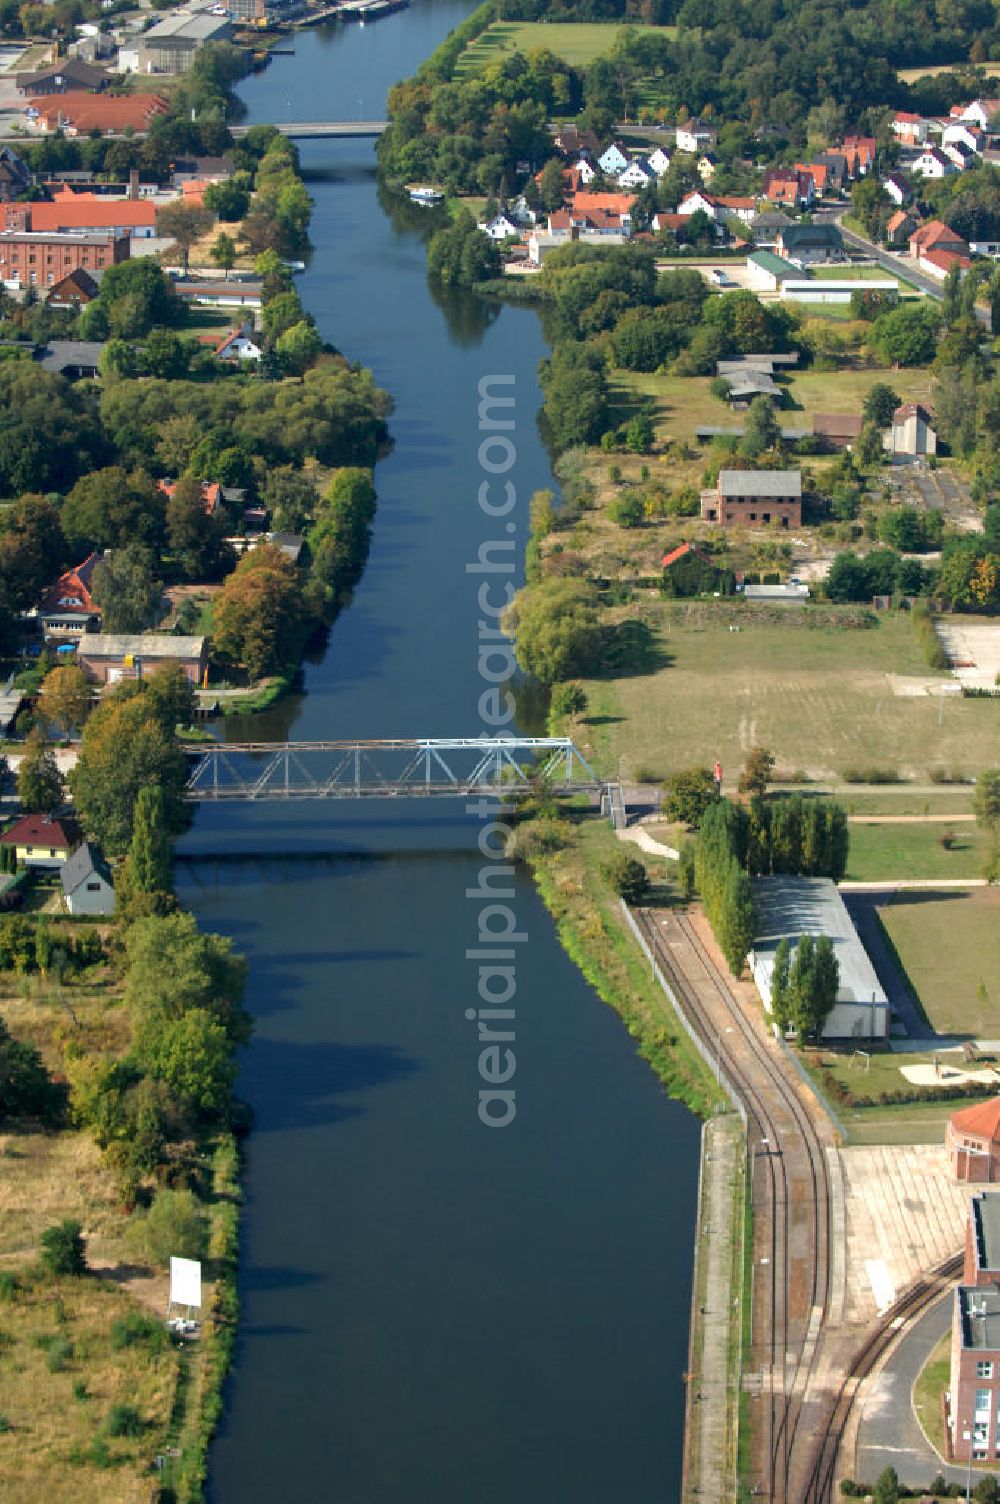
170, 45
789, 907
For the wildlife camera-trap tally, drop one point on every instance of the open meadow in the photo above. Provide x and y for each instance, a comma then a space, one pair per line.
948, 943
576, 43
819, 696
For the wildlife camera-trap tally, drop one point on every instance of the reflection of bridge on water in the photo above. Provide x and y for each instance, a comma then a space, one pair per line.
429, 767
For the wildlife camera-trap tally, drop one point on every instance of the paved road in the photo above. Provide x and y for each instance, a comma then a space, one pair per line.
889, 1434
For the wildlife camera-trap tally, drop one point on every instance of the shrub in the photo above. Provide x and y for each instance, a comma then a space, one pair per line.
4, 1423
124, 1420
628, 877
58, 1354
8, 1285
63, 1250
174, 1224
98, 1454
136, 1330
80, 1390
871, 775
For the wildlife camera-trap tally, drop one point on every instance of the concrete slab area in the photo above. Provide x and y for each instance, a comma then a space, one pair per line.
973, 646
903, 1211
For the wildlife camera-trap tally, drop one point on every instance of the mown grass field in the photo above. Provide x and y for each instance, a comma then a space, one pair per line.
949, 945
683, 403
897, 1123
818, 697
576, 43
907, 851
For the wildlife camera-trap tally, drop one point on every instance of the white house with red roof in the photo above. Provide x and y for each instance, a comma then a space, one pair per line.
910, 129
240, 344
932, 163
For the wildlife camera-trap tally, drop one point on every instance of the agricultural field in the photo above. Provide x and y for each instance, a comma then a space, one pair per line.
949, 946
819, 696
577, 43
930, 70
684, 403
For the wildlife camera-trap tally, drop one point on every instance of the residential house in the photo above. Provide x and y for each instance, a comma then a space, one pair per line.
836, 169
39, 841
899, 227
638, 174
898, 188
972, 1140
989, 248
909, 129
859, 153
736, 206
108, 659
75, 359
784, 186
613, 160
597, 223
86, 882
980, 111
612, 203
31, 260
706, 167
65, 76
932, 163
240, 294
659, 161
68, 608
202, 170
240, 344
818, 172
912, 432
934, 234
766, 226
212, 494
939, 263
962, 132
695, 136
571, 140
15, 177
78, 114
501, 227
754, 498
961, 155
663, 222
837, 430
75, 290
807, 244
697, 202
585, 170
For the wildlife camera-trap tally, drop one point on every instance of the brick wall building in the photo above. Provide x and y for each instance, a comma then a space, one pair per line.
38, 260
755, 498
973, 1143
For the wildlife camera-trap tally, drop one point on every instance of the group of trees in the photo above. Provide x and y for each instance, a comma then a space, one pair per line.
800, 837
804, 985
986, 804
723, 881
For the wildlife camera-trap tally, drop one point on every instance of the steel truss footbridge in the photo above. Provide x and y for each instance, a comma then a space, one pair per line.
421, 767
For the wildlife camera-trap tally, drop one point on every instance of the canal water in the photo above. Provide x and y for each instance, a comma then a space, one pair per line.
433, 1311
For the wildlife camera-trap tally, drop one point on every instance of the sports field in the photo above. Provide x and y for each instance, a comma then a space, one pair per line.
818, 696
577, 43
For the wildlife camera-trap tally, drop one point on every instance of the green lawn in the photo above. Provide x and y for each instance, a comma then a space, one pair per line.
951, 799
818, 697
949, 946
885, 851
682, 403
576, 43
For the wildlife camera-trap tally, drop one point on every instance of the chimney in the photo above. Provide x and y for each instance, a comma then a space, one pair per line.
133, 182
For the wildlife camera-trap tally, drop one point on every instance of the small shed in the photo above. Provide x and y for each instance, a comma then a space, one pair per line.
86, 882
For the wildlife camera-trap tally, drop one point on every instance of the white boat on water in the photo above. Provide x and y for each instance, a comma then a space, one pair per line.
426, 195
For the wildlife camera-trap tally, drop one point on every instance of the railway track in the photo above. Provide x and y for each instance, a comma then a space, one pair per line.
791, 1196
820, 1480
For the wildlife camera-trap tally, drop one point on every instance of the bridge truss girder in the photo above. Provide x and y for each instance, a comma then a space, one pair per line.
430, 767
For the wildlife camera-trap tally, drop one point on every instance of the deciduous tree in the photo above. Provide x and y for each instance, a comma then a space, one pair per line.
39, 781
64, 699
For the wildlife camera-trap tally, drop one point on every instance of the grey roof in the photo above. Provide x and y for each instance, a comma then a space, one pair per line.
823, 235
986, 1229
754, 384
149, 645
707, 431
979, 1317
86, 862
787, 907
741, 367
9, 706
182, 26
777, 483
61, 354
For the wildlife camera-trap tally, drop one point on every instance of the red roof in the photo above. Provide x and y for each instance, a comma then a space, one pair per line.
84, 213
617, 203
210, 490
37, 830
71, 592
945, 260
680, 551
100, 112
982, 1120
896, 221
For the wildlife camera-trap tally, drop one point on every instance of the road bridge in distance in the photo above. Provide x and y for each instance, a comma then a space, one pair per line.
421, 767
317, 130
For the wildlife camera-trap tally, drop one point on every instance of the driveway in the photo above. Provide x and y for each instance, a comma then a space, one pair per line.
888, 1432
